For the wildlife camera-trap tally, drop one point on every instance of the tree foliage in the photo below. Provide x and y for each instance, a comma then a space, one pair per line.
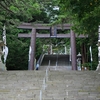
12, 12
83, 14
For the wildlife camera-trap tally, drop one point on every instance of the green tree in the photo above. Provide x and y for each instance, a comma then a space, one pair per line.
84, 15
13, 12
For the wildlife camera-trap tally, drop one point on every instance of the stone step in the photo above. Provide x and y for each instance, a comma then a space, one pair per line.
55, 67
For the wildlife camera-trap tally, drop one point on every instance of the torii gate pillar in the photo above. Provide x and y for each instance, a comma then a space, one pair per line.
32, 56
73, 51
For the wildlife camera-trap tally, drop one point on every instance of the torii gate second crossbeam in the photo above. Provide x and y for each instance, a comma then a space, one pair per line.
33, 37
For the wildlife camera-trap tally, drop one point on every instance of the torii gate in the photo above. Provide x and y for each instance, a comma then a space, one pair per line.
35, 35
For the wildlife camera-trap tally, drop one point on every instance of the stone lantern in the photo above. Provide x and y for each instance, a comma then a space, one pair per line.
79, 57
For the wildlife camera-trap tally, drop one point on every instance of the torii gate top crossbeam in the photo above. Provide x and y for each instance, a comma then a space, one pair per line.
43, 26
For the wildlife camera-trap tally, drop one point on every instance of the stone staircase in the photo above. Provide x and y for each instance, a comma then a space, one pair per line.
21, 85
54, 84
73, 85
56, 60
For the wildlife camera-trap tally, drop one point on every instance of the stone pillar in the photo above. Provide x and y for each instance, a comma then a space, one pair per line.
73, 51
98, 67
2, 66
1, 53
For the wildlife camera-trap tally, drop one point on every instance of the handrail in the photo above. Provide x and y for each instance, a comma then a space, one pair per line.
49, 64
47, 70
45, 79
40, 59
40, 94
56, 65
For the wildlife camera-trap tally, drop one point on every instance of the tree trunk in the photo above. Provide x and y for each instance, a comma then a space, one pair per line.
83, 51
